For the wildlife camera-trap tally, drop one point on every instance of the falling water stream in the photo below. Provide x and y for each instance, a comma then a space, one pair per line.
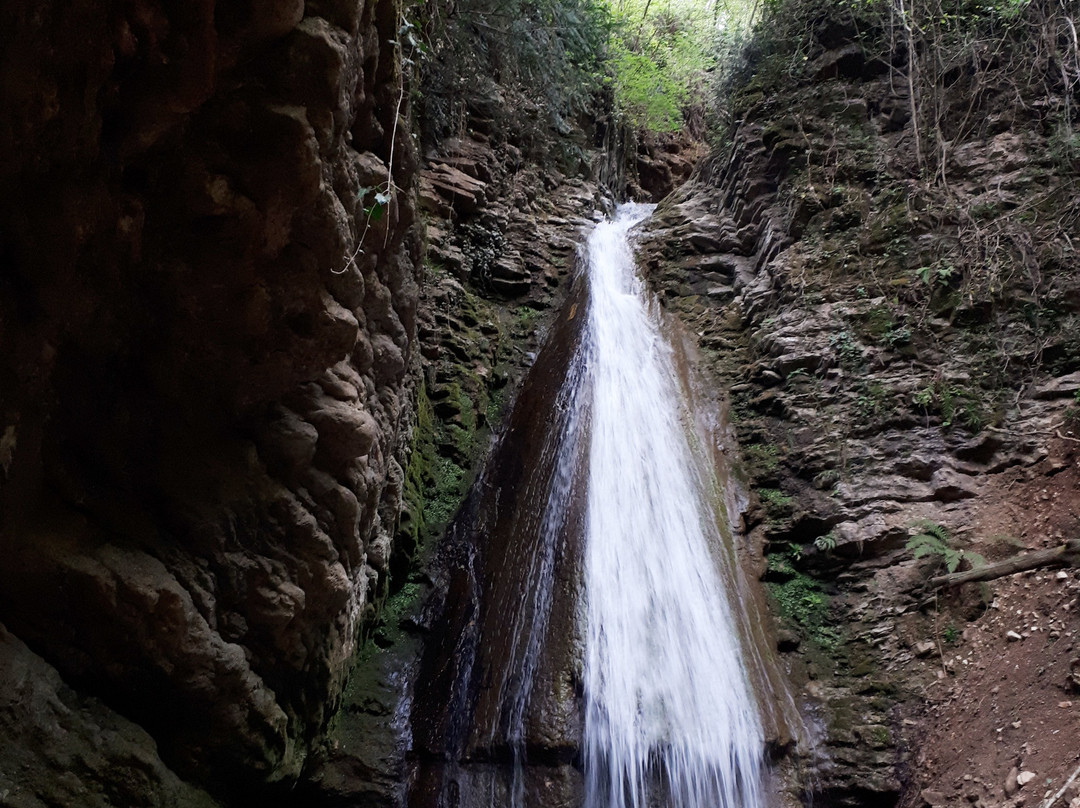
670, 718
589, 557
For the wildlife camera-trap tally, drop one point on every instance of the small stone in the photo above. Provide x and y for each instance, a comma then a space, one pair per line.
1062, 575
924, 648
1015, 725
1012, 636
933, 797
787, 641
1011, 782
1024, 778
1064, 705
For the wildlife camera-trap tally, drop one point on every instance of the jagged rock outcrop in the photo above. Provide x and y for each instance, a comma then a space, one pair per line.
899, 352
205, 382
95, 757
663, 162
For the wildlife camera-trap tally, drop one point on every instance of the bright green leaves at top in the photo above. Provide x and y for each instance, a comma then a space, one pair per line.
658, 58
650, 97
661, 54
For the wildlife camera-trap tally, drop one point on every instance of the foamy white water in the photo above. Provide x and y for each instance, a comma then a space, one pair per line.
670, 716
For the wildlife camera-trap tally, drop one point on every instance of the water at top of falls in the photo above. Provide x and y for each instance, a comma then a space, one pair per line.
670, 717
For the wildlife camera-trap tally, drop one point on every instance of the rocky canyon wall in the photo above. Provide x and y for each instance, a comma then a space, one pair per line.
205, 349
902, 356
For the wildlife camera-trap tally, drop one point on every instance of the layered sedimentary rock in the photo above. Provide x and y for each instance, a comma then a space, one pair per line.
901, 352
206, 338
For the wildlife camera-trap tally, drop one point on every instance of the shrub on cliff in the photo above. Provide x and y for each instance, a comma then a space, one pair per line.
953, 58
548, 52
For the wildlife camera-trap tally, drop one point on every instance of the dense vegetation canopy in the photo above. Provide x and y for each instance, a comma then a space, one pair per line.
650, 58
662, 63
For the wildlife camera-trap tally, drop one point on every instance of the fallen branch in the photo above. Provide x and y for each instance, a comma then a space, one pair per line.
1067, 554
1062, 790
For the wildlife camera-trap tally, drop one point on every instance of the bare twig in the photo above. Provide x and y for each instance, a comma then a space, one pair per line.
1061, 790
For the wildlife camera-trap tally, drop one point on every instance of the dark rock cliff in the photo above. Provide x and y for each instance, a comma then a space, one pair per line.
203, 397
235, 401
504, 212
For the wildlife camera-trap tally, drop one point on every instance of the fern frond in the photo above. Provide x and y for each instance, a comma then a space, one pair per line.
826, 542
934, 529
924, 544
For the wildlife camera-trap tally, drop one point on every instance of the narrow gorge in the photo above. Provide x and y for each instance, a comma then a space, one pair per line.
361, 446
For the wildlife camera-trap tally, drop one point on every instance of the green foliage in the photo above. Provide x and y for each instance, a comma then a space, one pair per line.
1072, 412
847, 350
412, 526
762, 459
959, 48
374, 202
448, 488
774, 498
826, 543
436, 475
551, 51
777, 505
496, 400
800, 601
877, 321
826, 479
941, 273
781, 564
953, 403
1065, 147
525, 317
645, 92
934, 540
870, 402
661, 57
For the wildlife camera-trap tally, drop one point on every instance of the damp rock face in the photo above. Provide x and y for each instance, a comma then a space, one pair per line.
502, 227
205, 378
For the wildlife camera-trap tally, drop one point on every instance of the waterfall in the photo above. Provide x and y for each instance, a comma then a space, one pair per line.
588, 561
670, 717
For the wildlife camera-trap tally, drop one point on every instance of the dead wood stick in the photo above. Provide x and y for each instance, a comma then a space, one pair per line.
1062, 790
1065, 555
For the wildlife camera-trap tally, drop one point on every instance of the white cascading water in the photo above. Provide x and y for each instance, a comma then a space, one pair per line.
670, 717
